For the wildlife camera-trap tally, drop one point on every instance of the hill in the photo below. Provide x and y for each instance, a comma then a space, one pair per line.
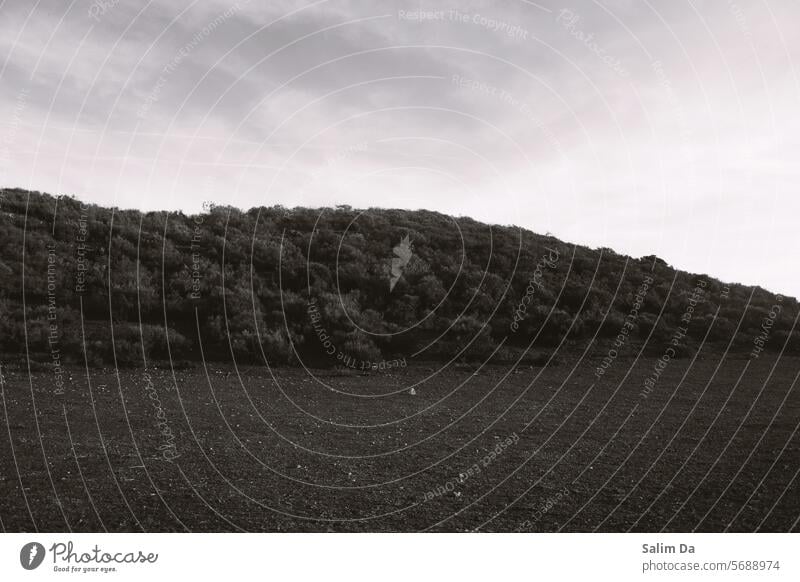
367, 289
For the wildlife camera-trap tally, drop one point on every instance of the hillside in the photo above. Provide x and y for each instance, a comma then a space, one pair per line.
336, 286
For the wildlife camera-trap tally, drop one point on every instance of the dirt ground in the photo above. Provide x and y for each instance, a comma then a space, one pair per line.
712, 447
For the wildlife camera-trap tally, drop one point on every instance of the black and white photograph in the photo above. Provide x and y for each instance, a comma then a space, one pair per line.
400, 267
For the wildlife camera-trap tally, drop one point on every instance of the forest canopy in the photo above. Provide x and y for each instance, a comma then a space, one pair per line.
367, 289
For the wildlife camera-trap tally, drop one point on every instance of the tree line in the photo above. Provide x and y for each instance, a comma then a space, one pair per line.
369, 289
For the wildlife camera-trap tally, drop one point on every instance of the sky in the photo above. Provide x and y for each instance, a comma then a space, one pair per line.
666, 128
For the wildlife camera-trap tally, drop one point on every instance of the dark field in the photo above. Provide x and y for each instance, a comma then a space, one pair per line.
714, 447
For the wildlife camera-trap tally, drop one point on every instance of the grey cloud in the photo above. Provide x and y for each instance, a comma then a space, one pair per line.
618, 123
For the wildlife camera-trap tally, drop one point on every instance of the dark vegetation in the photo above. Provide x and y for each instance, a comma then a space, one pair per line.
313, 285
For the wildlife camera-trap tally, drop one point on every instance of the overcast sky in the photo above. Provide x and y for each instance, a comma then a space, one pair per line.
648, 127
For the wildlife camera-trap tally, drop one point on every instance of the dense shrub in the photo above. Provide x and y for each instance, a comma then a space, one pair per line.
385, 284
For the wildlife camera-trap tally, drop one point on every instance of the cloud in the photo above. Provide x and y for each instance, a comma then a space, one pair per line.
648, 127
